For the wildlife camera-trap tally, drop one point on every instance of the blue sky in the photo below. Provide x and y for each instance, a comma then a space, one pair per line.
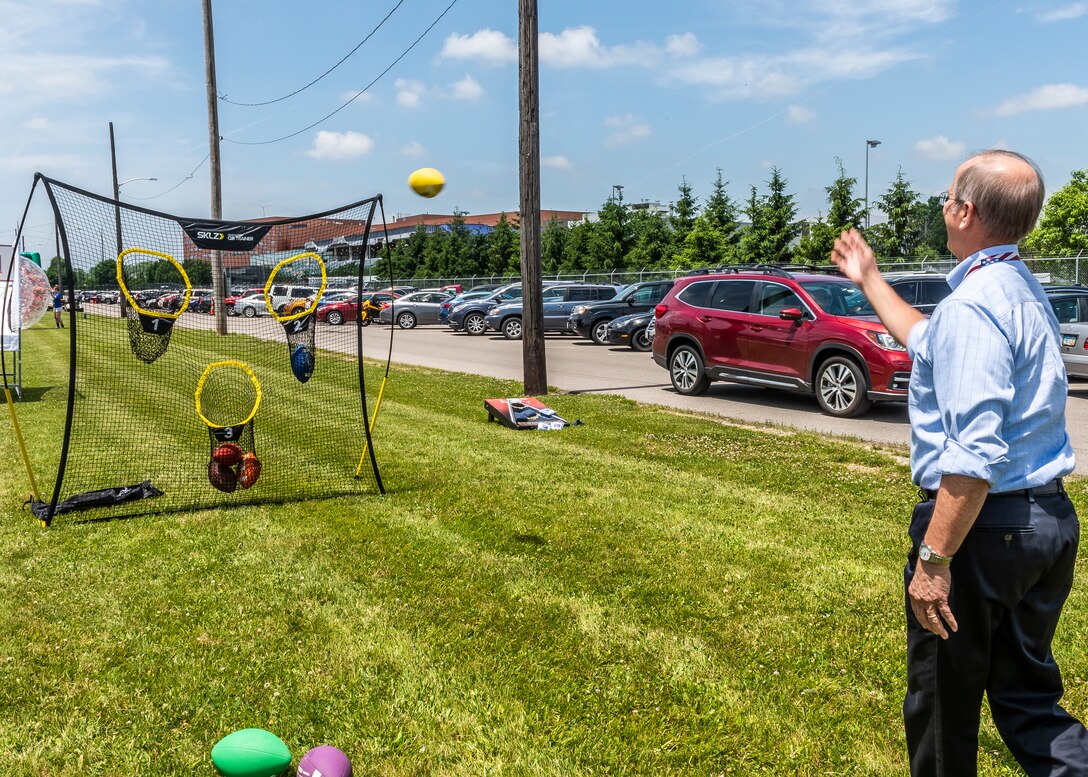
633, 93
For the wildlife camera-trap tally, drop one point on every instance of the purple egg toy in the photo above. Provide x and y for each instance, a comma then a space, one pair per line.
324, 761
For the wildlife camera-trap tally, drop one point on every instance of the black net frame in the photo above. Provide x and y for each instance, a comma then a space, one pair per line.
69, 487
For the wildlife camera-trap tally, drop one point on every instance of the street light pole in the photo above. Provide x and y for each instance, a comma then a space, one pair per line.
868, 144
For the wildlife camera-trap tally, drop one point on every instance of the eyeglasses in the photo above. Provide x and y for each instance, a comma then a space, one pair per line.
944, 197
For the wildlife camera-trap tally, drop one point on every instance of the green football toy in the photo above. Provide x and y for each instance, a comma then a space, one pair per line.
251, 752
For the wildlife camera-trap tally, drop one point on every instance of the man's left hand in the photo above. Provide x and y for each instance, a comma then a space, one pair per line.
928, 592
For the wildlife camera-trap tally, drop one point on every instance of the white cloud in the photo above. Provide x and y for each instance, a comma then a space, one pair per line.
558, 162
413, 148
580, 47
1065, 13
1044, 98
487, 45
789, 74
631, 130
686, 45
940, 149
37, 123
466, 89
340, 145
798, 114
357, 96
409, 93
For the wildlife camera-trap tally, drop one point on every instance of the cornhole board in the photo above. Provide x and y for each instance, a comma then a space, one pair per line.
523, 413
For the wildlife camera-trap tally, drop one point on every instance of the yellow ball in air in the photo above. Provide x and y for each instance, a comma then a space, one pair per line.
426, 181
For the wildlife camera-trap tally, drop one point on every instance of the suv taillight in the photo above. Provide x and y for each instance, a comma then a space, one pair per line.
660, 310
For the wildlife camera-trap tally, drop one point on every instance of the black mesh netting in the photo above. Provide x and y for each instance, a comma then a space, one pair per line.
135, 363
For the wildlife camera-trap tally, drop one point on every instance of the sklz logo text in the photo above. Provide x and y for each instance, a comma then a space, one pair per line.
222, 236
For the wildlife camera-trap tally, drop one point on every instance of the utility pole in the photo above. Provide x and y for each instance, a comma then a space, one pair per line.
216, 170
533, 356
122, 301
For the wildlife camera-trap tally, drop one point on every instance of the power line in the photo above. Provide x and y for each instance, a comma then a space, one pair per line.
179, 183
354, 98
223, 97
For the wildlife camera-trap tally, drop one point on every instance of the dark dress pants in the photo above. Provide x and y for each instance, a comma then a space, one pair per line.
1010, 578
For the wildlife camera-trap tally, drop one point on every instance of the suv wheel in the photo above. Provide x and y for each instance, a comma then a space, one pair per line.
840, 388
249, 311
511, 328
406, 320
686, 371
475, 324
599, 332
640, 342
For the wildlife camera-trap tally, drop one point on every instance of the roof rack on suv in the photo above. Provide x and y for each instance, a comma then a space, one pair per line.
781, 270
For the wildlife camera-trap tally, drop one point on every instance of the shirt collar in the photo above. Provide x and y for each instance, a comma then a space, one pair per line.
959, 272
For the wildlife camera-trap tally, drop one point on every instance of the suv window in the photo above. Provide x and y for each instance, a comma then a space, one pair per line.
907, 290
649, 295
735, 296
774, 298
1066, 309
696, 294
301, 292
932, 292
279, 291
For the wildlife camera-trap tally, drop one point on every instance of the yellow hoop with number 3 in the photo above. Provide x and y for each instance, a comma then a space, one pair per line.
252, 379
272, 277
136, 305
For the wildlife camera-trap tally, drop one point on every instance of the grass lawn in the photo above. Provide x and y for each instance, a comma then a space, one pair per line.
653, 593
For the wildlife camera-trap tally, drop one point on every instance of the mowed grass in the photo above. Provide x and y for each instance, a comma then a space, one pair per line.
652, 593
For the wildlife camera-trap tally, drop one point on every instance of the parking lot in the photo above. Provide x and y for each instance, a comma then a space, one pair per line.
577, 365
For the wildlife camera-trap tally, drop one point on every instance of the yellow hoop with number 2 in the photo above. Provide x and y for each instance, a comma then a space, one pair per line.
272, 278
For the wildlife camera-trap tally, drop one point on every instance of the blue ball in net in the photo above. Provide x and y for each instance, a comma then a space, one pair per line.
302, 363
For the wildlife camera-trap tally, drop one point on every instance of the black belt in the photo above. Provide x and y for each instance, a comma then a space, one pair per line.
1047, 489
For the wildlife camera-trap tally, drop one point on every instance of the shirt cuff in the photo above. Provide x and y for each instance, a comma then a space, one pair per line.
958, 459
915, 337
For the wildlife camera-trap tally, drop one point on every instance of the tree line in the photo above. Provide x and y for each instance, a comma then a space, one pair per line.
764, 228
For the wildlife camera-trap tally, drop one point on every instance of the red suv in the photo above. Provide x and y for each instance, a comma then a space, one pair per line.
770, 327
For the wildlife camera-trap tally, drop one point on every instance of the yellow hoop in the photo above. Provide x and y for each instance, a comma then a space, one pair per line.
272, 278
252, 379
135, 305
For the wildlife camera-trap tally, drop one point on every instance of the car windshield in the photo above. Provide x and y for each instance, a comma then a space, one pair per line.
625, 291
839, 298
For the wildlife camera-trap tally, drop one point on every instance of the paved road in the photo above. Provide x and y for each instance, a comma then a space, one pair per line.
577, 365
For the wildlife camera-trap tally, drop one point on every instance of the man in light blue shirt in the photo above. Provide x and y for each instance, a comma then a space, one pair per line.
988, 451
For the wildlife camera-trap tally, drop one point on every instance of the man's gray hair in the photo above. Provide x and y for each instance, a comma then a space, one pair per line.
1007, 204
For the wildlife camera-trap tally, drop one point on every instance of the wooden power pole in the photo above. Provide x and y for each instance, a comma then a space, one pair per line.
218, 279
532, 311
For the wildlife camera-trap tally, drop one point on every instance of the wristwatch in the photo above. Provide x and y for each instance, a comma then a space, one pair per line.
929, 555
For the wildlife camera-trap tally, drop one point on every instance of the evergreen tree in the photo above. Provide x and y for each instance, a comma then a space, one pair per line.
652, 241
845, 213
905, 214
199, 272
502, 253
752, 239
779, 220
933, 239
611, 237
721, 212
576, 248
683, 214
553, 241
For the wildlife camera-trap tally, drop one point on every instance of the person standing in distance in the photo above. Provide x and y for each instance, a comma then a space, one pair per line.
994, 539
58, 307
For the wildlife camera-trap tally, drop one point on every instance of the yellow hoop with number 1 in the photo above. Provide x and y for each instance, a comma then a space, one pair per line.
131, 301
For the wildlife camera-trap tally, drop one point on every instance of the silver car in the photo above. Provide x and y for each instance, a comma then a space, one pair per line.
1075, 350
409, 311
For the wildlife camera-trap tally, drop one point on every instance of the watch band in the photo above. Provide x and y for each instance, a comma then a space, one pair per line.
930, 556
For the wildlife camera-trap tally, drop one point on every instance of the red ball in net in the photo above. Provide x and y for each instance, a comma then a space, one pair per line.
228, 454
